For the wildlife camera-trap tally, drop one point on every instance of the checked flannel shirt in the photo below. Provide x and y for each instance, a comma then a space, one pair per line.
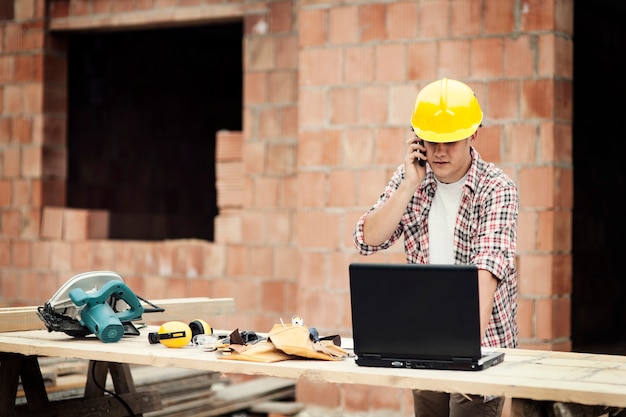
485, 235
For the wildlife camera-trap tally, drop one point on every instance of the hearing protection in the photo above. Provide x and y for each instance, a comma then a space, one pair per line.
176, 334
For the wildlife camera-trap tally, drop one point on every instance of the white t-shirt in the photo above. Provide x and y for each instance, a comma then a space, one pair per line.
441, 221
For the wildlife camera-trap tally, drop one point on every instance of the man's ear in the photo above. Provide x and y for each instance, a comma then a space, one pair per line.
472, 139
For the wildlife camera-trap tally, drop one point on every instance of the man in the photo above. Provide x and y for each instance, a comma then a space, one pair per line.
452, 207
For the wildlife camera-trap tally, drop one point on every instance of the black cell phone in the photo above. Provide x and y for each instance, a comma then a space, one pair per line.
421, 161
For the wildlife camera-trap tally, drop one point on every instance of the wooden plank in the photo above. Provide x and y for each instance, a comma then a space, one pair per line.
140, 402
228, 400
539, 375
183, 309
286, 408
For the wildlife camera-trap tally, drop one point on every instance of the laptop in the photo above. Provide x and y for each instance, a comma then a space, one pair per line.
418, 317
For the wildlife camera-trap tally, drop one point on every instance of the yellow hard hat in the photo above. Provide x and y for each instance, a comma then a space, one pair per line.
446, 111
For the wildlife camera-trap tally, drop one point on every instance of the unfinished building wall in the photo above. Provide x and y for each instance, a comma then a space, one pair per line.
328, 90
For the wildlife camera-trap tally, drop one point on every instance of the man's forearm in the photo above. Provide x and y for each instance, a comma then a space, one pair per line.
381, 222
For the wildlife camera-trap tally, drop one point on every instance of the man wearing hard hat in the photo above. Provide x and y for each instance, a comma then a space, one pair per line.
452, 207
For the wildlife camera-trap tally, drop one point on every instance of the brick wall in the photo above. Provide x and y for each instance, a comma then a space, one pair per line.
328, 92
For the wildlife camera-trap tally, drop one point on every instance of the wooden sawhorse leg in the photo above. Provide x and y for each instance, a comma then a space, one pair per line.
120, 376
12, 367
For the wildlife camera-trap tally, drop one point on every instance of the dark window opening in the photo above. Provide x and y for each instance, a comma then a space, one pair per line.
144, 109
599, 282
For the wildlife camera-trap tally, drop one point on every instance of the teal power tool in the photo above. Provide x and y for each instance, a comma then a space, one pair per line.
96, 302
98, 316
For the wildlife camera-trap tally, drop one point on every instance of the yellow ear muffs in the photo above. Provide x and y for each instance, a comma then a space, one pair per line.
199, 326
173, 334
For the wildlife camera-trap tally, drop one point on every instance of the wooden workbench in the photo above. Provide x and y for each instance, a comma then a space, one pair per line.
19, 363
528, 374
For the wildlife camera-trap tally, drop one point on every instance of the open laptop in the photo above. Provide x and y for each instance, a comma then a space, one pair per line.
417, 316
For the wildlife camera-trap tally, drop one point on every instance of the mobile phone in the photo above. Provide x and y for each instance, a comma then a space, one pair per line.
421, 162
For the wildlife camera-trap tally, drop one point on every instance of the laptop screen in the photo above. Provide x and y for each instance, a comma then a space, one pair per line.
412, 311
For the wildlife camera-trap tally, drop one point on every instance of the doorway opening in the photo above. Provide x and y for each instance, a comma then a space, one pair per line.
599, 224
143, 111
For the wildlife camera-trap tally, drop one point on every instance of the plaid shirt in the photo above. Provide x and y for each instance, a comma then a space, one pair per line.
485, 235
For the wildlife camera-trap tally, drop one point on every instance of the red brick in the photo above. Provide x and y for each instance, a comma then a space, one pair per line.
369, 186
454, 58
312, 108
422, 61
5, 193
10, 223
343, 104
359, 64
40, 258
320, 66
401, 20
75, 224
5, 254
60, 256
315, 185
401, 104
318, 393
79, 8
287, 52
81, 255
59, 8
104, 256
466, 18
526, 318
373, 105
433, 19
341, 189
255, 87
555, 318
503, 97
317, 229
541, 181
357, 398
33, 98
6, 126
98, 224
372, 22
487, 57
281, 158
282, 87
281, 19
519, 57
30, 223
499, 16
12, 99
228, 146
31, 163
273, 296
536, 15
289, 121
260, 53
24, 68
187, 260
312, 27
13, 37
391, 62
343, 25
520, 143
537, 99
22, 130
21, 254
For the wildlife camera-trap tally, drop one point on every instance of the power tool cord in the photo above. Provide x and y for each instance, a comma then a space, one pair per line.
155, 309
113, 394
